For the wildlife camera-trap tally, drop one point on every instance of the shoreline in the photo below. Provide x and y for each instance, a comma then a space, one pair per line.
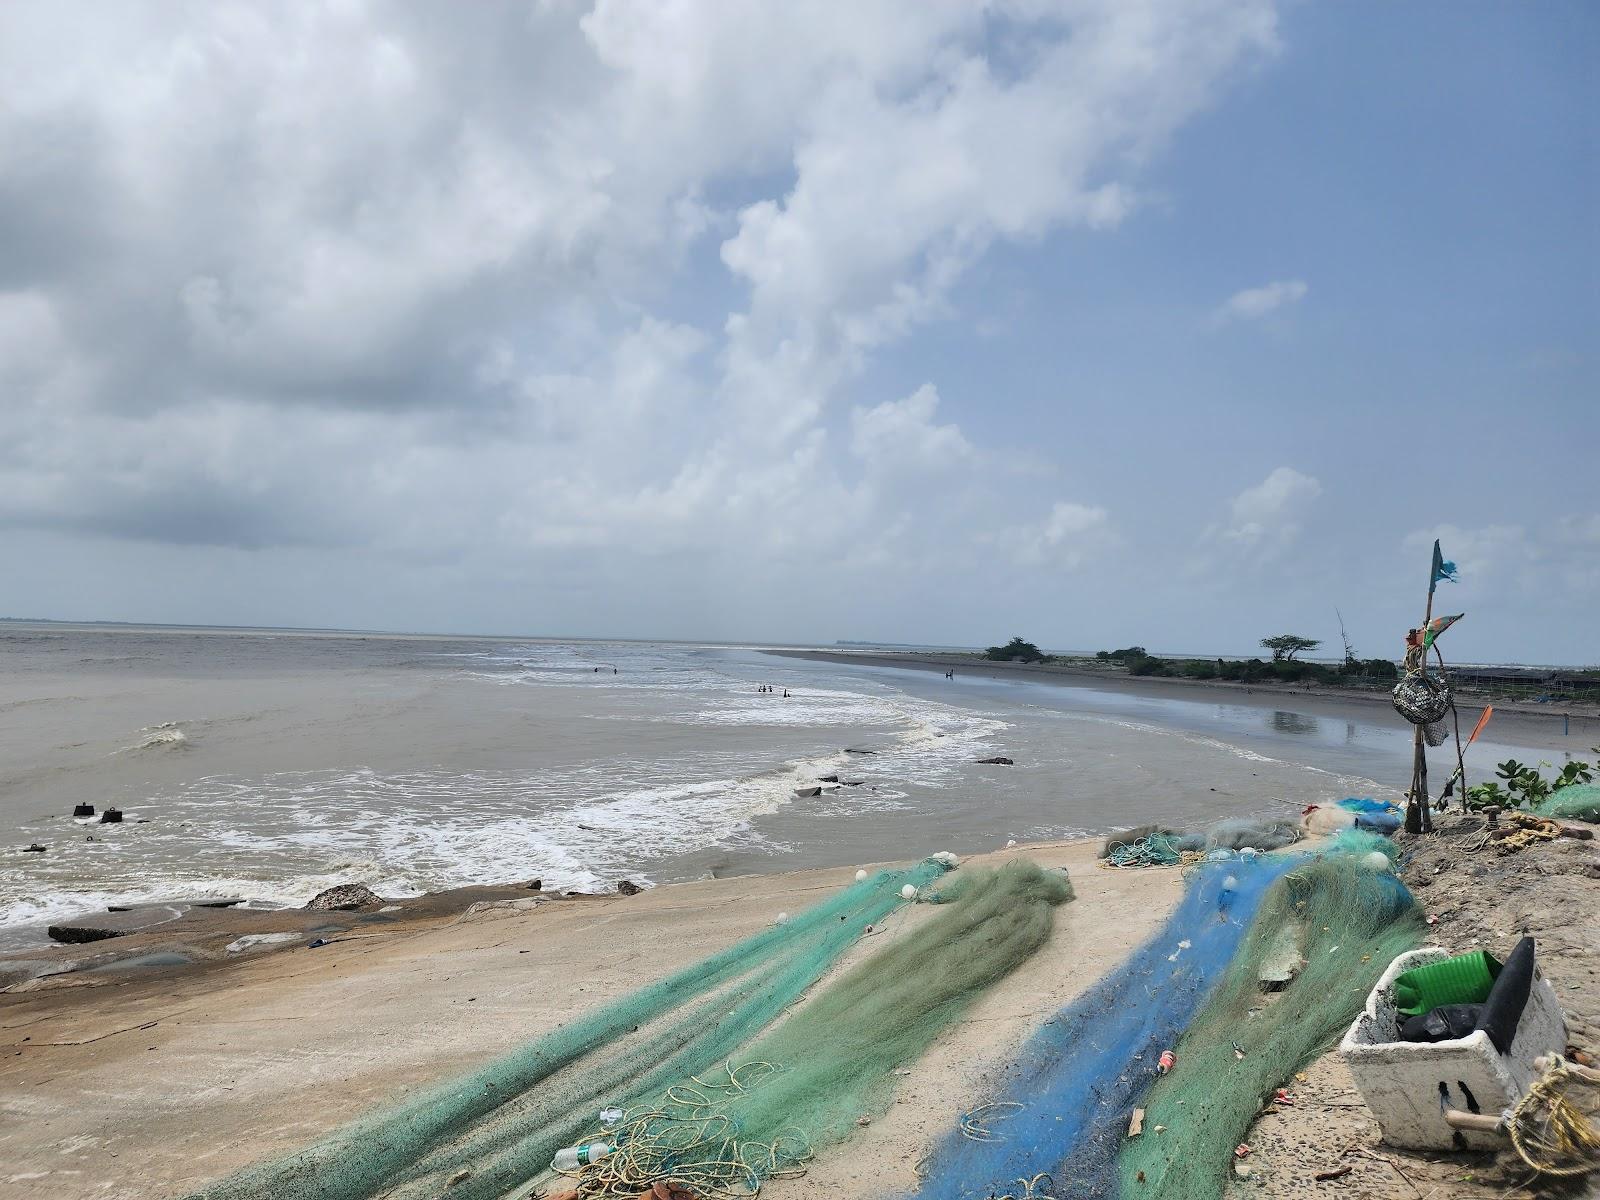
1534, 726
152, 1083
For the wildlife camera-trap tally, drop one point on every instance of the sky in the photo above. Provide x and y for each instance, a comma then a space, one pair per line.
1100, 322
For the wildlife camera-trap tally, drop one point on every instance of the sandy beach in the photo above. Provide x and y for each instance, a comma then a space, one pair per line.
1565, 727
149, 1084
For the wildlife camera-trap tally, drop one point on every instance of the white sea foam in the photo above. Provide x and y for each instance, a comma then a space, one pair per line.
166, 736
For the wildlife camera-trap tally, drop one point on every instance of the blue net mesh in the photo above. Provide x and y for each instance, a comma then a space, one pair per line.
1062, 1108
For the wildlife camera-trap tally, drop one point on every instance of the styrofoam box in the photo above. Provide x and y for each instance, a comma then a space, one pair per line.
1402, 1081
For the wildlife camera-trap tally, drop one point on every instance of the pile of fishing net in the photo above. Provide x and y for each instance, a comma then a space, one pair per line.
1576, 802
1060, 1112
1362, 844
1380, 816
498, 1127
814, 1077
1348, 922
1262, 833
1160, 846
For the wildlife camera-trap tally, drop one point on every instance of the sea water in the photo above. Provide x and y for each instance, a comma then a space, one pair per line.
269, 765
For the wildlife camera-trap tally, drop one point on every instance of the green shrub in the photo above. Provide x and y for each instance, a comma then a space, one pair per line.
1148, 665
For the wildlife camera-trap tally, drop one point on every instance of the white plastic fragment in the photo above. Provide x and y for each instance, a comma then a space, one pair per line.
782, 919
909, 892
860, 875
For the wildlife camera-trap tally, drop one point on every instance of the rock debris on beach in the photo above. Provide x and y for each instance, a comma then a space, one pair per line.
344, 898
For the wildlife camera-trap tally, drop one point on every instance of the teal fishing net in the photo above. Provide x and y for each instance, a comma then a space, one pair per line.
1059, 1112
1576, 802
1346, 921
813, 1078
501, 1123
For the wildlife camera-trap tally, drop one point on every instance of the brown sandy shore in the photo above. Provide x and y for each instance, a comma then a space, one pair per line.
148, 1084
1539, 726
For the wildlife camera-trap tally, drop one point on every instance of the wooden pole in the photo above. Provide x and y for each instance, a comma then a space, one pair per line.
1418, 818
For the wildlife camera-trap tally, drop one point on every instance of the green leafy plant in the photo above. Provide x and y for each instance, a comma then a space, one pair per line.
1526, 786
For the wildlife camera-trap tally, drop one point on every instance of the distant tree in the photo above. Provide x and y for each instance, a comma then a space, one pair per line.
1128, 654
1285, 646
1015, 648
1350, 664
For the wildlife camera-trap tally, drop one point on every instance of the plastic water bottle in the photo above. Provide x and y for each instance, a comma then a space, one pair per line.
570, 1158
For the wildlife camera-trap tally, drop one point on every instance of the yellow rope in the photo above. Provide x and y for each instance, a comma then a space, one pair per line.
1550, 1133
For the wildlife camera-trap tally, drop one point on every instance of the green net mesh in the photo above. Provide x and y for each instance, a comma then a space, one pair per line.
1577, 802
1351, 922
1358, 842
502, 1122
813, 1078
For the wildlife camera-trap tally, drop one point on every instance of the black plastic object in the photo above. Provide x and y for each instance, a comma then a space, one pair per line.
111, 816
83, 810
1445, 1023
1502, 1011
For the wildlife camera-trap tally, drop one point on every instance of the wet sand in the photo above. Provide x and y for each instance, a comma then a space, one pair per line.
1539, 726
150, 1084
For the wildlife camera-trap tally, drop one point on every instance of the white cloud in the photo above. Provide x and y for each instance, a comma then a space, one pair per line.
385, 276
1069, 536
903, 431
1266, 519
1563, 556
1253, 303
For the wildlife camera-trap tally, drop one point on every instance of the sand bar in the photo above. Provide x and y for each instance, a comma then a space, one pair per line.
1567, 727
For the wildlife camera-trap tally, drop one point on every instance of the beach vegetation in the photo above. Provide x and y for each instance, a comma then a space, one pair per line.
1126, 655
1013, 650
1523, 786
1285, 646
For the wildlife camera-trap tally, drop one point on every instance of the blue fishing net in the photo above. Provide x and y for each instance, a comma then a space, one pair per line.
1061, 1109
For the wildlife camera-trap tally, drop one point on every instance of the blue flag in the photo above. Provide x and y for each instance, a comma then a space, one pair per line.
1441, 569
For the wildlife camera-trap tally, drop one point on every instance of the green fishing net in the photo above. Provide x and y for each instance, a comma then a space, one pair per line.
501, 1123
1350, 921
1357, 842
1577, 802
813, 1078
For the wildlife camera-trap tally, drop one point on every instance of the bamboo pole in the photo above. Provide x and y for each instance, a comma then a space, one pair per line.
1418, 818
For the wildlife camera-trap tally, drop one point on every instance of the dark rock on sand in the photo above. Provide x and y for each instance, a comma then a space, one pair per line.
999, 760
344, 897
74, 934
628, 888
810, 791
35, 849
827, 779
534, 885
850, 750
